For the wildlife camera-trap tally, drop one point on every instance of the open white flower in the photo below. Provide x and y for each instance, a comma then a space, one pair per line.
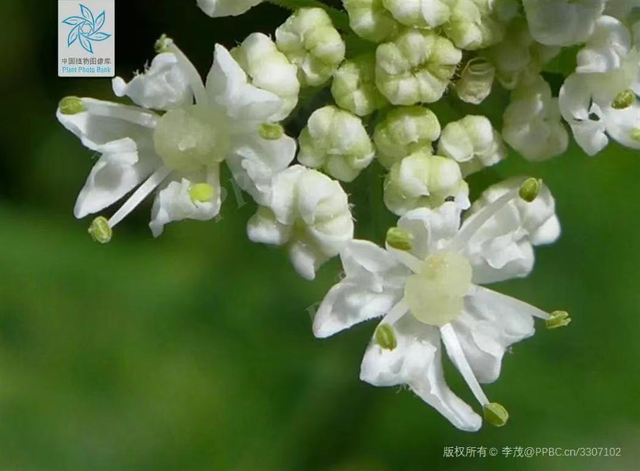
269, 70
607, 47
179, 152
532, 122
563, 22
309, 213
424, 180
473, 143
220, 8
600, 106
427, 288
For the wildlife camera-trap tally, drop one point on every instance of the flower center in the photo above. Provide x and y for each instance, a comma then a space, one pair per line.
435, 295
189, 138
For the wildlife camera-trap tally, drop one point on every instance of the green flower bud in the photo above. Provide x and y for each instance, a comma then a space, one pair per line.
354, 87
370, 20
72, 105
558, 319
337, 141
471, 26
403, 131
419, 13
624, 100
496, 414
386, 337
473, 143
100, 230
530, 190
400, 239
416, 67
310, 41
476, 81
202, 193
423, 180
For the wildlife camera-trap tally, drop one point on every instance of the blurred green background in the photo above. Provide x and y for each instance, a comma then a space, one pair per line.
194, 351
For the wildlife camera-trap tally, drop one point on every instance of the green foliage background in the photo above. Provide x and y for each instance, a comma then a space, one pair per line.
195, 352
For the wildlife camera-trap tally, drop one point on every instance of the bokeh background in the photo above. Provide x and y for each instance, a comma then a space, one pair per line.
194, 351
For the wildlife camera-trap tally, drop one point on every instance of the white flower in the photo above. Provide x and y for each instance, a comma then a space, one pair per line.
428, 292
563, 22
424, 180
403, 131
416, 67
180, 152
370, 20
420, 13
473, 143
219, 8
621, 9
476, 81
532, 122
338, 142
354, 86
309, 213
310, 41
603, 105
269, 70
607, 47
519, 59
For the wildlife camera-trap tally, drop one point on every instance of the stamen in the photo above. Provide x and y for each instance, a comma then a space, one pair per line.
412, 262
271, 132
140, 194
72, 105
202, 193
130, 114
100, 230
496, 414
558, 319
454, 349
400, 239
386, 337
396, 313
195, 80
475, 222
635, 134
518, 305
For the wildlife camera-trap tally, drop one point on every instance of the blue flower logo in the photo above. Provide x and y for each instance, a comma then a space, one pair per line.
86, 29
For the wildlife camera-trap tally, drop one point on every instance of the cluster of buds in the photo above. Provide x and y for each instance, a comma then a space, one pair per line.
398, 72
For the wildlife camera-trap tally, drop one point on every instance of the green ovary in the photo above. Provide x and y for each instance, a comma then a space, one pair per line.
436, 294
189, 138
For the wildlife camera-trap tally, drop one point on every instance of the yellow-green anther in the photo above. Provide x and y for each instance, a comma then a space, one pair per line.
271, 132
635, 134
496, 414
530, 189
386, 337
202, 193
100, 230
72, 105
162, 44
400, 239
624, 100
558, 319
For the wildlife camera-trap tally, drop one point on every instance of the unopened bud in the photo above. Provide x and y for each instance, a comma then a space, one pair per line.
496, 414
386, 337
100, 230
558, 319
476, 82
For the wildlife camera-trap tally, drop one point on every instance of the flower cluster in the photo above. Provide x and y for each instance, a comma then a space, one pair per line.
390, 66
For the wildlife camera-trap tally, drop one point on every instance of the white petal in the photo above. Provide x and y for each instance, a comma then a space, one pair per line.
174, 202
621, 123
255, 161
227, 85
305, 259
607, 47
120, 169
373, 285
417, 362
220, 8
487, 327
163, 87
264, 228
431, 228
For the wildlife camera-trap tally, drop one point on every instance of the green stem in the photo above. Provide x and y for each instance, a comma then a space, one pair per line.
339, 18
